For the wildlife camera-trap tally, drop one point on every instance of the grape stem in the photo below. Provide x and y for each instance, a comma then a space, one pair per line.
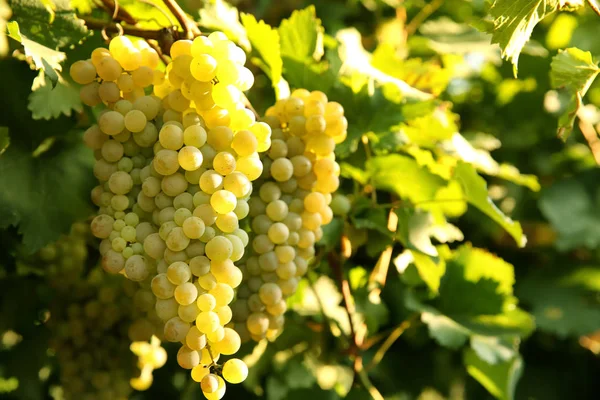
418, 19
190, 29
249, 106
390, 340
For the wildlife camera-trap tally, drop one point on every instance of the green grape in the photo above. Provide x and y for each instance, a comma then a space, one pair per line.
111, 123
235, 371
203, 67
83, 72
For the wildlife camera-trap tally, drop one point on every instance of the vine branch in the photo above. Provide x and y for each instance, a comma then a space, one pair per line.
594, 6
347, 303
190, 29
590, 135
97, 24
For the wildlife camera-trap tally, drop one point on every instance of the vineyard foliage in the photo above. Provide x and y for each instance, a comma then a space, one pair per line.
462, 258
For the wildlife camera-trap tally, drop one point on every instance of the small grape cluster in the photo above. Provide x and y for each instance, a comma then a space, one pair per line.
90, 320
292, 204
177, 153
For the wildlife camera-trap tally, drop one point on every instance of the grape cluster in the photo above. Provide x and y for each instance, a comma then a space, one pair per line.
293, 200
175, 169
177, 153
90, 321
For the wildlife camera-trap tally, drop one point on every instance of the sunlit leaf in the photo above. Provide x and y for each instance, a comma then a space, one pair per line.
38, 52
574, 71
220, 15
265, 41
499, 379
514, 21
475, 189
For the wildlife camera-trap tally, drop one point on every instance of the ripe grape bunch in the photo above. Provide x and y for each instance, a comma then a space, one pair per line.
181, 162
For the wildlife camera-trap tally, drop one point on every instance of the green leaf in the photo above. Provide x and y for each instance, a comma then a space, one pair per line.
475, 189
514, 21
570, 205
499, 379
429, 269
41, 55
17, 78
402, 175
512, 322
36, 23
365, 217
572, 70
454, 331
44, 195
48, 102
219, 15
375, 315
332, 233
83, 6
561, 306
265, 41
485, 277
444, 330
494, 349
427, 76
356, 62
481, 159
301, 36
414, 230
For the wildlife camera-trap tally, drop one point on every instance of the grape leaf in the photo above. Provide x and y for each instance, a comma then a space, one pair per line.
454, 331
514, 21
265, 40
44, 194
47, 102
41, 55
494, 349
570, 205
499, 379
444, 330
17, 78
429, 269
572, 70
481, 159
475, 190
403, 176
220, 15
562, 305
36, 23
485, 277
356, 60
427, 76
301, 36
83, 6
414, 230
